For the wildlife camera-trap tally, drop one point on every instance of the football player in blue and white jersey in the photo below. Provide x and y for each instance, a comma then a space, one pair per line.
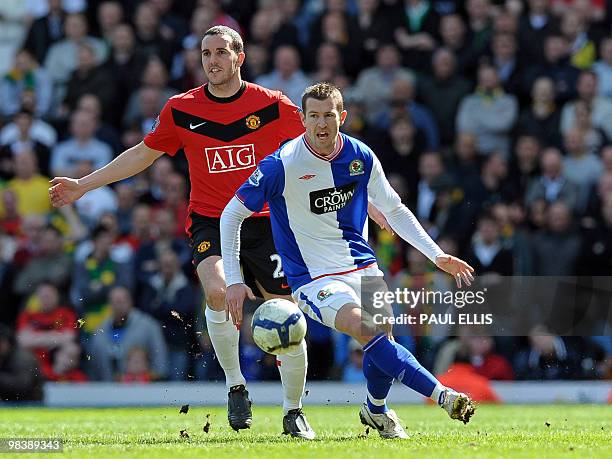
317, 187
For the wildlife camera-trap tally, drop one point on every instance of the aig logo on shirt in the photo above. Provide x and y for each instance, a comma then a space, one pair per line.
230, 158
331, 199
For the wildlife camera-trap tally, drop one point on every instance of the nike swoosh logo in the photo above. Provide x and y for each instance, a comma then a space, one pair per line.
194, 126
284, 285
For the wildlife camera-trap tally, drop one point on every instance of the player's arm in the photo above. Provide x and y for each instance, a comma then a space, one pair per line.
237, 291
66, 190
263, 184
406, 225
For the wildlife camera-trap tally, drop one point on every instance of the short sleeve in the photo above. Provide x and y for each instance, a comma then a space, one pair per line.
265, 183
163, 136
291, 123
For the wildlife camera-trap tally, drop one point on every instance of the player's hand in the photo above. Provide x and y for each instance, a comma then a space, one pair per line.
379, 218
64, 191
234, 299
456, 267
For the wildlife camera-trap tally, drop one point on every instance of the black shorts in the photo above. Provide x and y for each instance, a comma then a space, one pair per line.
258, 256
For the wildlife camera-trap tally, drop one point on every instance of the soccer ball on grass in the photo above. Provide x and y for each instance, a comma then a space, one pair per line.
278, 326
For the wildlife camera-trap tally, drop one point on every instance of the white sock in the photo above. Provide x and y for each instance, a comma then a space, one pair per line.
224, 337
292, 368
435, 395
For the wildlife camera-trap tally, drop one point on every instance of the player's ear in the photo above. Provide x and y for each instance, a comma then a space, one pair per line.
343, 114
241, 57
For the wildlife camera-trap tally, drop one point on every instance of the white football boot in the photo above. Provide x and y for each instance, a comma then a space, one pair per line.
387, 424
457, 404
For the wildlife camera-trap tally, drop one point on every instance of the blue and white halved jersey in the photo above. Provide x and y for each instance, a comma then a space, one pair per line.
319, 206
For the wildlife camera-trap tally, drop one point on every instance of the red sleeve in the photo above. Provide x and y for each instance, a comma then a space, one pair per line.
23, 320
291, 123
163, 136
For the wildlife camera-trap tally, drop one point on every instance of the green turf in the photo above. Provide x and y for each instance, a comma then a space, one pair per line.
555, 431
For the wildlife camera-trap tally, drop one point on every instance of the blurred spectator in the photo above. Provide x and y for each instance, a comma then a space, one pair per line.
90, 103
555, 250
81, 146
145, 110
552, 185
372, 19
159, 173
13, 28
149, 38
146, 259
493, 186
32, 130
95, 203
547, 357
62, 58
89, 77
50, 264
172, 300
430, 168
535, 25
20, 378
137, 367
26, 74
479, 351
581, 166
31, 188
466, 378
45, 326
601, 108
256, 62
442, 93
124, 63
173, 27
95, 277
582, 49
286, 76
555, 66
374, 83
65, 364
140, 231
401, 101
525, 165
109, 16
8, 246
464, 164
175, 199
23, 120
46, 30
126, 201
30, 230
603, 68
329, 63
126, 328
541, 119
154, 76
353, 371
400, 152
336, 28
415, 30
596, 259
486, 253
489, 113
594, 137
454, 38
506, 61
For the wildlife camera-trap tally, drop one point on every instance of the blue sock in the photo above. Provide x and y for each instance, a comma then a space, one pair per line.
396, 361
379, 385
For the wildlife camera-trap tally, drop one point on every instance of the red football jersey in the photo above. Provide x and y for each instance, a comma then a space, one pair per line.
224, 138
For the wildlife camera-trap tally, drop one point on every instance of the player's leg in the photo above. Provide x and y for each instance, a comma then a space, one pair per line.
224, 336
259, 257
398, 362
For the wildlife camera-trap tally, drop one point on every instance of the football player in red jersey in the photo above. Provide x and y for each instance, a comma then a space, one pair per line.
225, 128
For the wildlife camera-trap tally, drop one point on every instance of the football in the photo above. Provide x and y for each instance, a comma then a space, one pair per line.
278, 326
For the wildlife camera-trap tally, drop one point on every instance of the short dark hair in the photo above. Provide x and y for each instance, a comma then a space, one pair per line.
236, 43
322, 91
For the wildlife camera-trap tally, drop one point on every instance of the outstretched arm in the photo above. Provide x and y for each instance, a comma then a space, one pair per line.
406, 225
231, 220
66, 190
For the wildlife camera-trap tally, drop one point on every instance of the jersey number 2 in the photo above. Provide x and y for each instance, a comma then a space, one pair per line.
278, 271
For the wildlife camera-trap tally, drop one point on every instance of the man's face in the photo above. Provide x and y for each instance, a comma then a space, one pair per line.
220, 62
322, 121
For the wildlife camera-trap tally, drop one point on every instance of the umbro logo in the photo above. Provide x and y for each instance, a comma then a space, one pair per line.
195, 126
307, 177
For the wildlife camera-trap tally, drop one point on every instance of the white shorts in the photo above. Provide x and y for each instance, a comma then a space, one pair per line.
322, 298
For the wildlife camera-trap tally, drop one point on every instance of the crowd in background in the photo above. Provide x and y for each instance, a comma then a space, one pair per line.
492, 120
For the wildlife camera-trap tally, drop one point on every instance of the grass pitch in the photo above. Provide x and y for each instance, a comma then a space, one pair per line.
576, 431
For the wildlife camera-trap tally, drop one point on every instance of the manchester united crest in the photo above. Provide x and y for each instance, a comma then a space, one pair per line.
253, 121
204, 246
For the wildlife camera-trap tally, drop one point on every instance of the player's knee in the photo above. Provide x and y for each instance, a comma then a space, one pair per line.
215, 298
348, 320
